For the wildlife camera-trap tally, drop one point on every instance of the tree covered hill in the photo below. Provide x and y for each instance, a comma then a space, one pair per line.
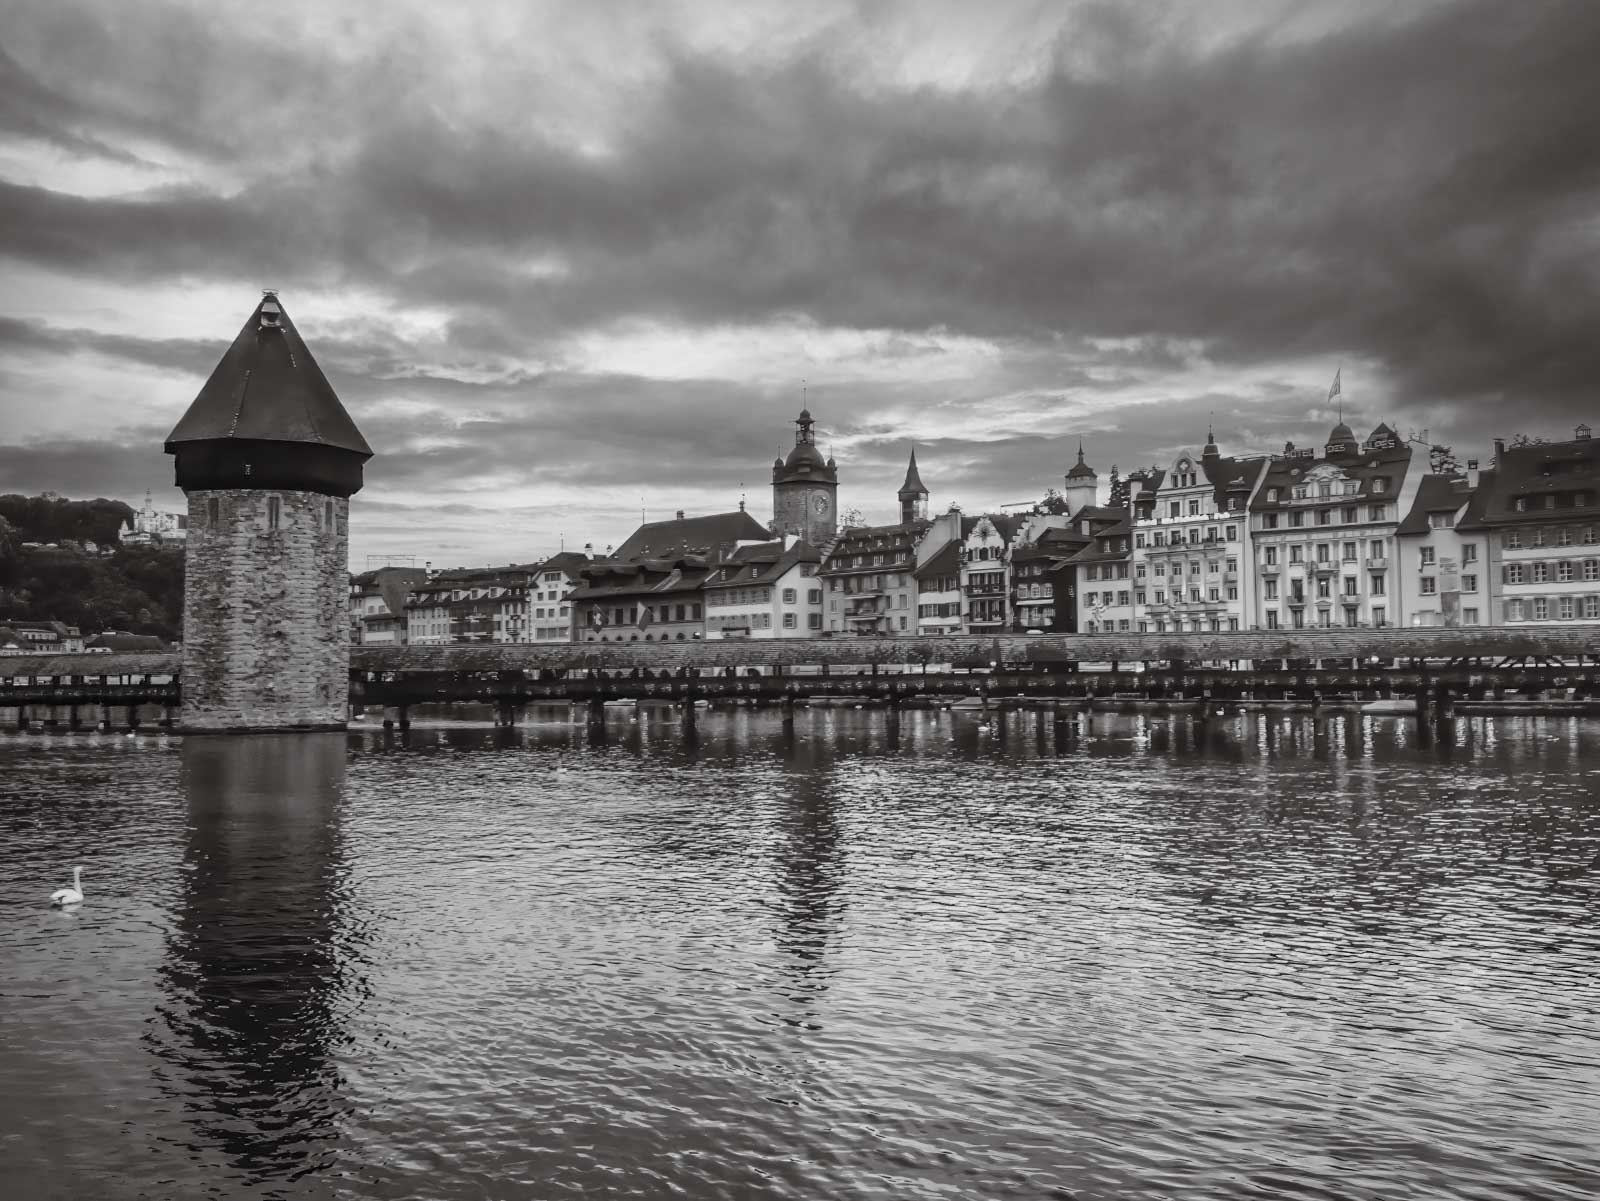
56, 519
137, 589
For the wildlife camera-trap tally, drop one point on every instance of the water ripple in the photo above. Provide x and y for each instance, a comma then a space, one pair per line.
1126, 957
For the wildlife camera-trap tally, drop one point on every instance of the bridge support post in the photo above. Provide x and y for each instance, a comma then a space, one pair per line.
403, 716
389, 714
74, 718
104, 723
1425, 715
893, 717
169, 716
133, 717
786, 710
597, 711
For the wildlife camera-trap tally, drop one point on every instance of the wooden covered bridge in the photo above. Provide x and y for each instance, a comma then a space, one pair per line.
1436, 667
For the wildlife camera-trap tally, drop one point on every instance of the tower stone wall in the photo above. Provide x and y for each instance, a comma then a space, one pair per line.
266, 631
807, 509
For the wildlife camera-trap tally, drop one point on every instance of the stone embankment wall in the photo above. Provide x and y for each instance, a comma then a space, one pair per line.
266, 634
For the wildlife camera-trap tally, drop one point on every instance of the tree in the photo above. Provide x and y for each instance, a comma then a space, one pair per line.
1053, 503
851, 519
1442, 460
1118, 498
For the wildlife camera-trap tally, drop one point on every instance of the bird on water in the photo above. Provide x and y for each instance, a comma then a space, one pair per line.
69, 896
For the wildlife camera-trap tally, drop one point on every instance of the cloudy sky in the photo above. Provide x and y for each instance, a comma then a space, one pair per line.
566, 261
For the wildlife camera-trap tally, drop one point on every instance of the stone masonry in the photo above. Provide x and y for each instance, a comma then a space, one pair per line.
266, 629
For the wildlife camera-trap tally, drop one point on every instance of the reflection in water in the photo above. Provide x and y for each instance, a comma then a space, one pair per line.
810, 875
1070, 954
252, 972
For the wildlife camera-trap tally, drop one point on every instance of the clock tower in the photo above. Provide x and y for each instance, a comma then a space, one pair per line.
805, 489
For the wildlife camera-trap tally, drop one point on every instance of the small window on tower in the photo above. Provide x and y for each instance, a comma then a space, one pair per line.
327, 515
274, 512
213, 512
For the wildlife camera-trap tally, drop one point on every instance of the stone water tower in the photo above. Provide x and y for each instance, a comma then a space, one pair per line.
268, 459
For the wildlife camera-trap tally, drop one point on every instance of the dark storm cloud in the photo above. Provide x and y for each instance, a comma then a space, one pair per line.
693, 433
177, 354
84, 467
1416, 191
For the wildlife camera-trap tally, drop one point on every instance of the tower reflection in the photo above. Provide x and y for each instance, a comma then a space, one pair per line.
810, 876
253, 983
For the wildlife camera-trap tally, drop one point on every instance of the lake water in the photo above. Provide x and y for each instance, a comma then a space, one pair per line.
1272, 957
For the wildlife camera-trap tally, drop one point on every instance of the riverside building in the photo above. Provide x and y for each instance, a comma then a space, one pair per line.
1441, 554
767, 590
1192, 569
1323, 532
1539, 518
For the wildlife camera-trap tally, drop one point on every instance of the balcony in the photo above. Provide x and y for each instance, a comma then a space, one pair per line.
1230, 577
997, 589
1376, 562
1270, 569
1326, 568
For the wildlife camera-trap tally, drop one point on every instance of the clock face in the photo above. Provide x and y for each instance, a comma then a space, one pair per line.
819, 502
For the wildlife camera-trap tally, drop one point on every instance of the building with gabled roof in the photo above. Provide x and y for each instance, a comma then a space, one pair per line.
378, 604
549, 606
709, 536
868, 581
1191, 567
1044, 579
1103, 570
1538, 512
1323, 532
1438, 564
986, 572
769, 590
641, 600
938, 579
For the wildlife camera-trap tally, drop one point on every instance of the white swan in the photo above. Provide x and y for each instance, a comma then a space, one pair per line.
69, 896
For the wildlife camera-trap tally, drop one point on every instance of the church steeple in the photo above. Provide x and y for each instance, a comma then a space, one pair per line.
913, 494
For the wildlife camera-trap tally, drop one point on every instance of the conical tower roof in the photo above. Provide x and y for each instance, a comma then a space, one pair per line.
1082, 471
913, 485
268, 388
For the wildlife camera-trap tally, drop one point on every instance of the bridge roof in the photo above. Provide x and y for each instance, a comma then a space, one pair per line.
1548, 638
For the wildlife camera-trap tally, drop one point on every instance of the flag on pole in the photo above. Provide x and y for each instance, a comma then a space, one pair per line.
1334, 390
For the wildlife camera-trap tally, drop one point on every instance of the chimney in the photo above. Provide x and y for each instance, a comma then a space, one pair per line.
588, 550
1472, 473
679, 515
1499, 452
1582, 433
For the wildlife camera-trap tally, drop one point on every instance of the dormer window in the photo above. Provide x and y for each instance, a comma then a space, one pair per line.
1272, 495
1379, 485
